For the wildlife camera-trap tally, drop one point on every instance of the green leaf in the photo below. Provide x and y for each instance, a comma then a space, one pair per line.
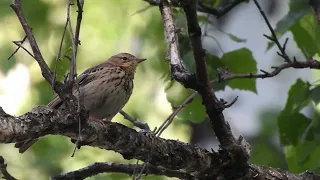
297, 10
306, 35
236, 39
292, 127
213, 63
315, 94
298, 96
303, 157
238, 62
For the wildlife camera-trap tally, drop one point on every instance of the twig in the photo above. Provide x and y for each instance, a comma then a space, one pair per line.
274, 37
221, 11
218, 12
20, 42
98, 168
73, 72
47, 74
135, 122
316, 9
20, 46
170, 118
3, 170
58, 58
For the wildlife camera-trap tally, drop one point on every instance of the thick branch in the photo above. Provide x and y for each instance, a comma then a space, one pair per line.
129, 169
174, 155
213, 106
178, 70
43, 121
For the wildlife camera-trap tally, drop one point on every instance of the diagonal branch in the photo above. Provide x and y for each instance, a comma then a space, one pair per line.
213, 106
129, 169
47, 74
3, 170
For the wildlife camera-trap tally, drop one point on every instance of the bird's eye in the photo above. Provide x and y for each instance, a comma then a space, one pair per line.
124, 58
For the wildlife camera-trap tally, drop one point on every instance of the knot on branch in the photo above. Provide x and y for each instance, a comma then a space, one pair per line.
187, 79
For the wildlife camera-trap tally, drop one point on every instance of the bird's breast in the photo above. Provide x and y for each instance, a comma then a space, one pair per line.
107, 95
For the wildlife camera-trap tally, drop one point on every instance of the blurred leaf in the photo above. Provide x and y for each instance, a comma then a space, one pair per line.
213, 63
297, 10
292, 124
238, 62
306, 35
193, 111
303, 157
292, 127
235, 38
315, 94
298, 96
4, 8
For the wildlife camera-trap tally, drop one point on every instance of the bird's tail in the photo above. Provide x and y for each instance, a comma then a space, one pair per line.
24, 145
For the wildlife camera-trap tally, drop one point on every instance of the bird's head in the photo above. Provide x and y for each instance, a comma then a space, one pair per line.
126, 61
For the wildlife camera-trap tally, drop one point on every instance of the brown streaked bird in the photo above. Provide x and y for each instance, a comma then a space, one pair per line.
104, 89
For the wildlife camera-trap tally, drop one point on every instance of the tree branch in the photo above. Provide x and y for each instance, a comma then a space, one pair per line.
47, 74
129, 169
3, 170
179, 157
218, 12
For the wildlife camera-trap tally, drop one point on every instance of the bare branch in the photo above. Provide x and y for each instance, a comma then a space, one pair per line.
135, 122
219, 12
3, 170
19, 42
178, 70
129, 169
47, 74
315, 5
274, 37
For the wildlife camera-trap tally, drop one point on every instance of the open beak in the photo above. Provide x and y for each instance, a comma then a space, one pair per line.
141, 60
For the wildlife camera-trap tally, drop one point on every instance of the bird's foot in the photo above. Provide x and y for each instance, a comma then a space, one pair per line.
100, 121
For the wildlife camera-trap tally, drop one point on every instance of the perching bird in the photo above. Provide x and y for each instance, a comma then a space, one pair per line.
104, 89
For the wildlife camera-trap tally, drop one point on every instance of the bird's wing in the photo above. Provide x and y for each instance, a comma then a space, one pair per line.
83, 79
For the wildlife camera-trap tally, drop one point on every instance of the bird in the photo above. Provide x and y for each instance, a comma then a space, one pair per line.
104, 90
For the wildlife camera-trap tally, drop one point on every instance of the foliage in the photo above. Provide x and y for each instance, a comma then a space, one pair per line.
109, 27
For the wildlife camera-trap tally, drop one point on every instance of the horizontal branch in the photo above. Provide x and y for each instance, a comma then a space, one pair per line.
130, 169
312, 64
169, 154
42, 121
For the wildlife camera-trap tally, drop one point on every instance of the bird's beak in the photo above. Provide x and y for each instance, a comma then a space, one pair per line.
141, 60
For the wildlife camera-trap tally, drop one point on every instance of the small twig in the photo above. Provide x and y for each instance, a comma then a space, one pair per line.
73, 72
20, 46
129, 169
135, 122
220, 11
170, 118
20, 42
3, 170
274, 37
59, 53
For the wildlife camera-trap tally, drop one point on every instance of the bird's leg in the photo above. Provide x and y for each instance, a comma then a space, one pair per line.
91, 118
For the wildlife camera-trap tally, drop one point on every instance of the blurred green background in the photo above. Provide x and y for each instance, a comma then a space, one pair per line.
261, 114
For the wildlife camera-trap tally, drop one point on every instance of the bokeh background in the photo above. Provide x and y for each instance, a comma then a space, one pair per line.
114, 26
